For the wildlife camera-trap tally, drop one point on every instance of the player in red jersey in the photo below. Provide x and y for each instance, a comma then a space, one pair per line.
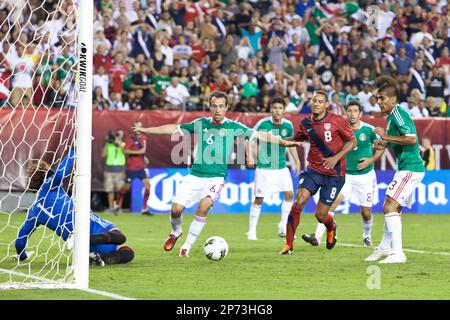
331, 138
135, 147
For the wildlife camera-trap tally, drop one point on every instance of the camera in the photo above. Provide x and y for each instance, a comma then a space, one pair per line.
111, 137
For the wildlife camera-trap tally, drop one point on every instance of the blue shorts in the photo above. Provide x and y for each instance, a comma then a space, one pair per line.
329, 186
97, 226
131, 174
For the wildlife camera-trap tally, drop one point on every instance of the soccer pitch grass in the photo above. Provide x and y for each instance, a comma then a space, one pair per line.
255, 270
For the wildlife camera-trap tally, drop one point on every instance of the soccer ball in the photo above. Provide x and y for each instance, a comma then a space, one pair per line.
216, 248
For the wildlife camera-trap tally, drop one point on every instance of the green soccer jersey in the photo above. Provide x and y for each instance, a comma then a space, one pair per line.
215, 144
270, 155
400, 123
365, 136
161, 83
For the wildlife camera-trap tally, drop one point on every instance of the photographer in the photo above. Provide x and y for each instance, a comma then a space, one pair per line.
114, 175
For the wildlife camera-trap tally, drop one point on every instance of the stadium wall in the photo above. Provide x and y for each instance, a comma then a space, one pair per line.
27, 134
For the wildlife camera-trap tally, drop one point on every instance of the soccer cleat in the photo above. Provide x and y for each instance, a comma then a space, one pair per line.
184, 252
96, 260
378, 254
146, 212
287, 250
251, 236
332, 237
116, 209
367, 242
170, 242
311, 239
394, 258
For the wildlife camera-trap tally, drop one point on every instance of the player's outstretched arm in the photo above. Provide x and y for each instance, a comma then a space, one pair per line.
22, 238
165, 129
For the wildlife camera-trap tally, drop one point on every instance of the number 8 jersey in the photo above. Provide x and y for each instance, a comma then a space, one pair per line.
327, 136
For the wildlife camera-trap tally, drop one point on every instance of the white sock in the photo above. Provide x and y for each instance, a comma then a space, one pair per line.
176, 225
255, 211
385, 242
321, 229
194, 231
394, 225
367, 228
285, 209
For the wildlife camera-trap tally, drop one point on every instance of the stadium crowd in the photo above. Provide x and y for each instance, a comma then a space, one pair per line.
158, 54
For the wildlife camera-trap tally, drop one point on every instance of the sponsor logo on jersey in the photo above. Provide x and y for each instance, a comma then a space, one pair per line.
327, 126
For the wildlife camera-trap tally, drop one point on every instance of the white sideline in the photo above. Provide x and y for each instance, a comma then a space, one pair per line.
49, 284
407, 250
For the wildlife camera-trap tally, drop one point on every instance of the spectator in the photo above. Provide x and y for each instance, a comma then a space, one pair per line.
229, 52
250, 87
276, 47
143, 80
364, 98
117, 102
100, 79
176, 94
182, 51
98, 100
166, 23
428, 154
437, 83
413, 108
326, 74
119, 72
102, 58
244, 50
433, 108
373, 108
418, 77
22, 64
363, 57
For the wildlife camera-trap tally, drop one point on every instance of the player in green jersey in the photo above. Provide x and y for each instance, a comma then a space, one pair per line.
401, 135
360, 178
272, 174
216, 137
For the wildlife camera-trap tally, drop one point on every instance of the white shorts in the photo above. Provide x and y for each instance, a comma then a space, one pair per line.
270, 181
403, 185
360, 188
193, 189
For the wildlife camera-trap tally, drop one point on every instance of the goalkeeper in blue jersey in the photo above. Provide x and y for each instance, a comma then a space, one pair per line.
54, 209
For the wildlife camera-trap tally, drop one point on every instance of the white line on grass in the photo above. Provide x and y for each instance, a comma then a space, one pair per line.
51, 284
407, 250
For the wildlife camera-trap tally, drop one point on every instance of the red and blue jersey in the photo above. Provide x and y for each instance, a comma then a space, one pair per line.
135, 161
327, 136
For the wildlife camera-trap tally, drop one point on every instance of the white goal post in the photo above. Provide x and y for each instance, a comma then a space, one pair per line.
38, 131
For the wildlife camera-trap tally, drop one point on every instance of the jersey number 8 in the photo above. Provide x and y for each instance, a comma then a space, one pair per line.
328, 137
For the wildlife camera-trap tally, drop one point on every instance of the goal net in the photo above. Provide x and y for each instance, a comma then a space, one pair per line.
45, 132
